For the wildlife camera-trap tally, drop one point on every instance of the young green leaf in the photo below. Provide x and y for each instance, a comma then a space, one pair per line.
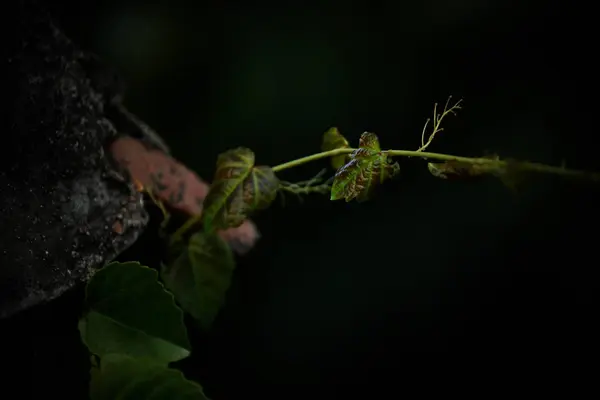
200, 276
126, 378
333, 139
221, 205
458, 169
508, 171
130, 312
368, 167
238, 189
369, 141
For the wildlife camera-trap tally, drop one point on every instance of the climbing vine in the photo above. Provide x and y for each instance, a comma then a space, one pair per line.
133, 326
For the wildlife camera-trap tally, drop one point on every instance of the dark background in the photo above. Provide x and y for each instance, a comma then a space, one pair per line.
429, 274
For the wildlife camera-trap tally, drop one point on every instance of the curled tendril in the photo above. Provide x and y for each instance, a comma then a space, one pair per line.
437, 121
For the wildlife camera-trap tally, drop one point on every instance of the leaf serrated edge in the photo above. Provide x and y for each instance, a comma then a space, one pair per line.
163, 287
161, 369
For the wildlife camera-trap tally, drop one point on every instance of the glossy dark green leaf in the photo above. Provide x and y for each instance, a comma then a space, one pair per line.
130, 312
367, 168
238, 189
126, 378
200, 276
333, 139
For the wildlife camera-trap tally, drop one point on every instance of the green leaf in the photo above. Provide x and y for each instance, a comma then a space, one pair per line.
130, 312
368, 167
238, 189
458, 169
222, 204
333, 139
260, 188
200, 276
127, 378
507, 171
369, 141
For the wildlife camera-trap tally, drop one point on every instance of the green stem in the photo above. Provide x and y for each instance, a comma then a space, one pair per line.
523, 166
182, 230
314, 157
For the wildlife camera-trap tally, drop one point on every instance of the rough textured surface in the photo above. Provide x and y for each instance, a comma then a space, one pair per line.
59, 193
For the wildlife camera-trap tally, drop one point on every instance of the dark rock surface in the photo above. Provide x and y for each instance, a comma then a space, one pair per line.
65, 209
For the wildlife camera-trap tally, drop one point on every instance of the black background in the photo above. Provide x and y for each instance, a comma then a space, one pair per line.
426, 276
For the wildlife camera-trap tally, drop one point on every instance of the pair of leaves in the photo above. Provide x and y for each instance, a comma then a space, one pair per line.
362, 170
238, 189
127, 378
130, 312
135, 327
200, 277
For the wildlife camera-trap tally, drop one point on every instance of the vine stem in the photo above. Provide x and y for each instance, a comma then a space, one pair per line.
183, 229
523, 166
